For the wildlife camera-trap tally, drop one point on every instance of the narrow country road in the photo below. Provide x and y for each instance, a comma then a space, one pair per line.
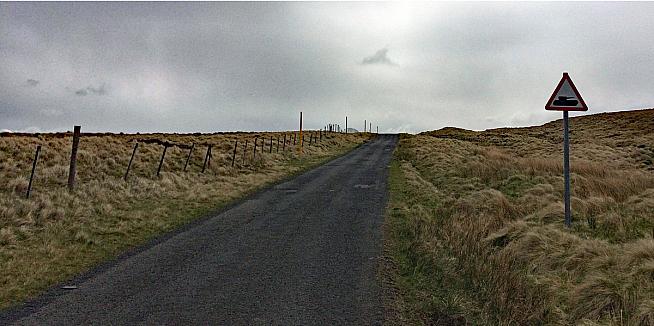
302, 252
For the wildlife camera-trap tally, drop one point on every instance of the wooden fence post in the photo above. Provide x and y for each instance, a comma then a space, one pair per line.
73, 158
256, 141
271, 138
277, 144
189, 156
284, 146
207, 157
129, 165
234, 154
245, 149
36, 158
163, 155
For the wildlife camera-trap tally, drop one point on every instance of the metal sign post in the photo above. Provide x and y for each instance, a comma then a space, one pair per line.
566, 169
566, 98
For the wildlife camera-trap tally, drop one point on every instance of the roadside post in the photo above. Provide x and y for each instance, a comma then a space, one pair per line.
73, 158
163, 156
207, 158
36, 158
245, 149
234, 154
566, 98
129, 165
188, 158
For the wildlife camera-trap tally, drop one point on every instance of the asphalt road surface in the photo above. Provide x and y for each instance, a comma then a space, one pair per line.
302, 252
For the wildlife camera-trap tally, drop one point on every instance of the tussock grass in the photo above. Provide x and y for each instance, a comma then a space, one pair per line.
56, 234
483, 214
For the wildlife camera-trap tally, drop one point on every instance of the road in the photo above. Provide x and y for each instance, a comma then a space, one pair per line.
302, 252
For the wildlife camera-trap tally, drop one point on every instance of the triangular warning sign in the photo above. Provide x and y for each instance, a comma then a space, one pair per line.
566, 97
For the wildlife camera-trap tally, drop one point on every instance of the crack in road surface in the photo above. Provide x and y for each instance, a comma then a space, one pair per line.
303, 252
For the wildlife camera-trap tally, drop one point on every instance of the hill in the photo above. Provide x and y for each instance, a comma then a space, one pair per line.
475, 224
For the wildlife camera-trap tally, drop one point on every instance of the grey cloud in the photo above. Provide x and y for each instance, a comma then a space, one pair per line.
217, 66
32, 82
90, 90
380, 57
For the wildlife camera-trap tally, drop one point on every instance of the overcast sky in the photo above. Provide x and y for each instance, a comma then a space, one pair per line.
187, 67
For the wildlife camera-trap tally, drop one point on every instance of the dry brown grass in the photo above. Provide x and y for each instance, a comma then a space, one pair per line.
498, 235
57, 234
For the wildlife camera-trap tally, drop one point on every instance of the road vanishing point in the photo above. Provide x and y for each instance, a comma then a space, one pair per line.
305, 251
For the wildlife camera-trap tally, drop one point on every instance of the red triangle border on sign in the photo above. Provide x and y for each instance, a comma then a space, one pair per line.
583, 107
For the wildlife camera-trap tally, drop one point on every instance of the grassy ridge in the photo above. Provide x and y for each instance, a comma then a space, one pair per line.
56, 234
475, 224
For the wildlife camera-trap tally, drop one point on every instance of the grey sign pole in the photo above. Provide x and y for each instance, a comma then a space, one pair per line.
566, 169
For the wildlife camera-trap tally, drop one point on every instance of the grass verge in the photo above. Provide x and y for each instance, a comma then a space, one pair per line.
475, 232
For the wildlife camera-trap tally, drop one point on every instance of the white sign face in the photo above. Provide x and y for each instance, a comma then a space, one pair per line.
566, 97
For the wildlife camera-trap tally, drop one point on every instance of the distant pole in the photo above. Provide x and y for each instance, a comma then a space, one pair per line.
365, 125
36, 158
163, 155
129, 165
188, 158
301, 136
256, 141
277, 151
73, 158
234, 154
378, 130
284, 145
346, 124
370, 129
566, 169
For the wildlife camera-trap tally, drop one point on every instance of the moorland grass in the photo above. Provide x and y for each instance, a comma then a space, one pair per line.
475, 224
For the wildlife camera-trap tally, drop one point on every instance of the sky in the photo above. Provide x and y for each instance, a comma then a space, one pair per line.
405, 67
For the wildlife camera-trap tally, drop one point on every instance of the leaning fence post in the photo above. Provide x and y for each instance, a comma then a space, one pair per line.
73, 158
234, 154
254, 156
206, 158
36, 158
188, 158
129, 165
163, 155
